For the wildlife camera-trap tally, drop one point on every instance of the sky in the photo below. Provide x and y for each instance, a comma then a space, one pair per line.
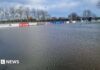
56, 8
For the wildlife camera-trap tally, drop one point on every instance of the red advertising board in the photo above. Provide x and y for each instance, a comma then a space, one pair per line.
23, 24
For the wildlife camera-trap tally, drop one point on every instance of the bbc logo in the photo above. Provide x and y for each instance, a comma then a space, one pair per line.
3, 61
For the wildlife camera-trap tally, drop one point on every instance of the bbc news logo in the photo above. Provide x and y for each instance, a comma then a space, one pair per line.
3, 61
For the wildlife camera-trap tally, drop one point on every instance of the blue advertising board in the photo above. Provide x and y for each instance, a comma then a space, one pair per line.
57, 22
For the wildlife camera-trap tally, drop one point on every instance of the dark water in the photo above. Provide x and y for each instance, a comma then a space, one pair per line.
52, 47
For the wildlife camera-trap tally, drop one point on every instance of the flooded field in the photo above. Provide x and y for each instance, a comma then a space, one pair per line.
51, 47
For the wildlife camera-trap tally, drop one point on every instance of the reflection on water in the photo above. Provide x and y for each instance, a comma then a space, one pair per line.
52, 47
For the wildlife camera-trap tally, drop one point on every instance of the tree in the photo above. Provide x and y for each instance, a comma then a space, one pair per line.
1, 13
27, 12
22, 13
98, 4
12, 12
33, 13
73, 16
42, 15
7, 14
19, 11
87, 13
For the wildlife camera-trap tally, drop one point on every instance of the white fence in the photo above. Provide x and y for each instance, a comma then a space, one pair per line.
17, 24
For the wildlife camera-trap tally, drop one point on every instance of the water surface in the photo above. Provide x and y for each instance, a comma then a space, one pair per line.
52, 47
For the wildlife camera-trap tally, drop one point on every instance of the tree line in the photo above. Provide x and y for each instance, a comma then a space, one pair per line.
87, 15
26, 13
22, 13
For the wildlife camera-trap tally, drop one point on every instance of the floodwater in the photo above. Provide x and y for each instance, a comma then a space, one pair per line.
51, 47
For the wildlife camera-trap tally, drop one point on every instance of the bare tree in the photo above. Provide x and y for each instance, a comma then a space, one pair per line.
22, 13
42, 15
73, 16
19, 11
6, 14
87, 13
27, 12
12, 12
33, 13
98, 4
1, 13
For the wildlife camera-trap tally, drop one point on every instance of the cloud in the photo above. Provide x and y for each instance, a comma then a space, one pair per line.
55, 6
64, 5
52, 5
41, 4
92, 2
48, 4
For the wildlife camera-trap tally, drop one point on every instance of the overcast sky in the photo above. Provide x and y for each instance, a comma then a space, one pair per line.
60, 8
